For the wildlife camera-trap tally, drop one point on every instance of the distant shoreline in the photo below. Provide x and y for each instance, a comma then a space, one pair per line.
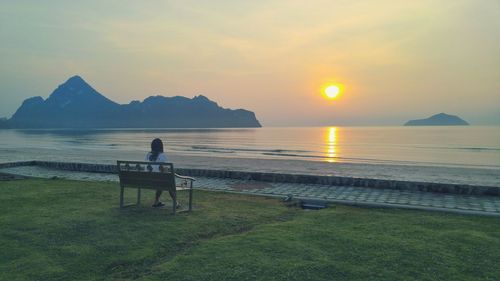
277, 126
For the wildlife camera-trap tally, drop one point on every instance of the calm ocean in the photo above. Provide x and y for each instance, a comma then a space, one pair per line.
471, 146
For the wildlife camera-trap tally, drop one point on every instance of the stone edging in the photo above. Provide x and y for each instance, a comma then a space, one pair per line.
17, 164
286, 178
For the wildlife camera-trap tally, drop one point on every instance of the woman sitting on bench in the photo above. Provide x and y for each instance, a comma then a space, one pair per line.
157, 155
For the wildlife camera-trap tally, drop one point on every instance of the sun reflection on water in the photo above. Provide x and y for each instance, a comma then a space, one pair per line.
331, 145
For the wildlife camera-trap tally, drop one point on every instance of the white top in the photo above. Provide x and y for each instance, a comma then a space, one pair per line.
162, 157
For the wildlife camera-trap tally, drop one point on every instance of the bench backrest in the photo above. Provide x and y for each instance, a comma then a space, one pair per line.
153, 175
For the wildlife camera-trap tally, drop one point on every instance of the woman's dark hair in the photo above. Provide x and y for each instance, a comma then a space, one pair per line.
156, 149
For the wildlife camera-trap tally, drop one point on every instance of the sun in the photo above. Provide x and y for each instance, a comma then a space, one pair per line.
332, 91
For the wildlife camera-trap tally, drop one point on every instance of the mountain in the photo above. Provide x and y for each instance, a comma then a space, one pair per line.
75, 104
441, 119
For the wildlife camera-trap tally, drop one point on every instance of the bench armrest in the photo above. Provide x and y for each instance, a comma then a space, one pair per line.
185, 178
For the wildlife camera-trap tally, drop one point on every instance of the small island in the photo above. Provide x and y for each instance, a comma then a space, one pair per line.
441, 119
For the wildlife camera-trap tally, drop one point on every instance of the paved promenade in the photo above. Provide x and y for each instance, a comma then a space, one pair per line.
465, 204
361, 196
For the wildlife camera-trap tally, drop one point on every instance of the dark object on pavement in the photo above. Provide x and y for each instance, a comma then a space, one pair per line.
313, 204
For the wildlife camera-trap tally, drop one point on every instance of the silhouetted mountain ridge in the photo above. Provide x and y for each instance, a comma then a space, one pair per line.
441, 119
77, 93
75, 104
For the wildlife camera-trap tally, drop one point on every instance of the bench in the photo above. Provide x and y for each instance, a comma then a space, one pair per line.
152, 175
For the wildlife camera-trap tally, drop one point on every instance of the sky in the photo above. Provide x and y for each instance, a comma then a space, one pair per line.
396, 60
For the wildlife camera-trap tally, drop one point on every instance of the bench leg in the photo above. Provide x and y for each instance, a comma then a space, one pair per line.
191, 196
174, 198
138, 196
121, 196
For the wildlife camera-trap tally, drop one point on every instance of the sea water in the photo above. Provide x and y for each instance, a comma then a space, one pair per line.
320, 150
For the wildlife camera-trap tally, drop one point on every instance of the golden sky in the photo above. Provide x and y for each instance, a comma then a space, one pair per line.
397, 60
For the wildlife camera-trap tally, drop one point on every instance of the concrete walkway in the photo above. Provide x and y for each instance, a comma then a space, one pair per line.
361, 196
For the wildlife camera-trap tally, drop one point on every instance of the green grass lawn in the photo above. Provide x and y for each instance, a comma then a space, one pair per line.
71, 230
